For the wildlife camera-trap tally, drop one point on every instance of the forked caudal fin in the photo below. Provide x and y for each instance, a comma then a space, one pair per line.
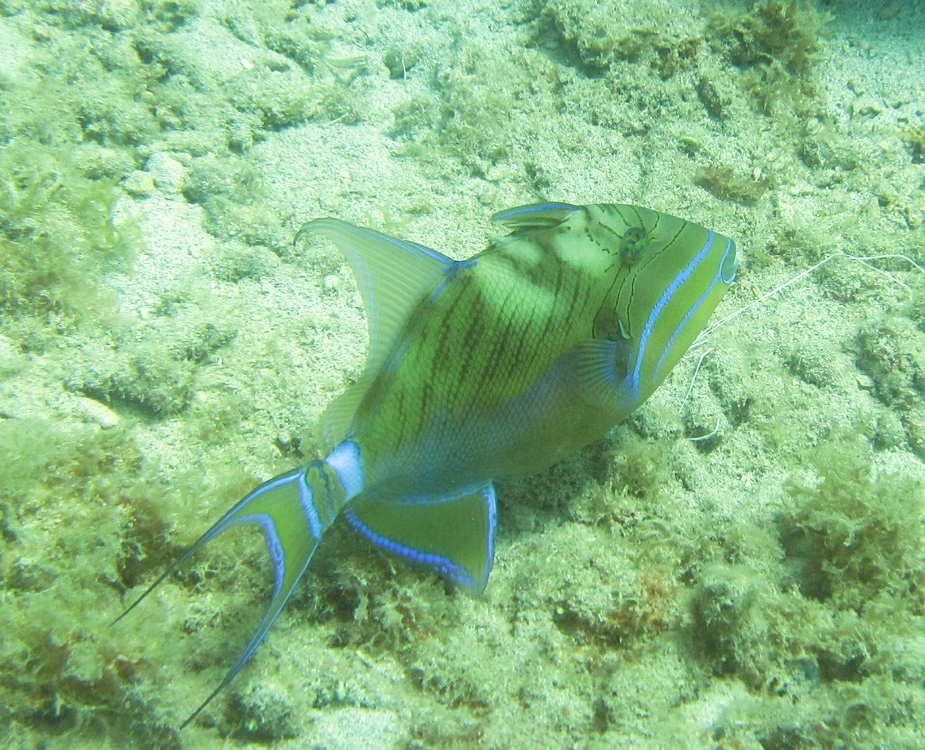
294, 509
452, 535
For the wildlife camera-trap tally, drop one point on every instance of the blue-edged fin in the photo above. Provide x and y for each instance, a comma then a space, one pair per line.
453, 536
393, 275
284, 508
534, 216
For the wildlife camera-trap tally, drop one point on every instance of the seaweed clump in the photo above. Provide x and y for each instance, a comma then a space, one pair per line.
59, 679
828, 646
726, 185
56, 234
914, 139
854, 536
776, 44
892, 354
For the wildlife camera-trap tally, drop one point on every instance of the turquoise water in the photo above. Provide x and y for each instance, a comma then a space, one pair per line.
740, 565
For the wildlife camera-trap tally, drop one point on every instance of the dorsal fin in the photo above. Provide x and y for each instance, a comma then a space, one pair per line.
392, 275
534, 216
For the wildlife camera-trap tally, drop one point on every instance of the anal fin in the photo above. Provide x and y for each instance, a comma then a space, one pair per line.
453, 536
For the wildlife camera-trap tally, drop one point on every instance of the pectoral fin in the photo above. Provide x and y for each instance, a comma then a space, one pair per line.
601, 372
452, 535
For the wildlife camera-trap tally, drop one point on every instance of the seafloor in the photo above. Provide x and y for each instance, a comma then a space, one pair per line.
739, 566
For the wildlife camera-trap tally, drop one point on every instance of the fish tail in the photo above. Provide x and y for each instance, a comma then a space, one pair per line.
294, 510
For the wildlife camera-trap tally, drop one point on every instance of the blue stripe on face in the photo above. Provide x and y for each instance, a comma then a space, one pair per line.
719, 277
682, 276
437, 562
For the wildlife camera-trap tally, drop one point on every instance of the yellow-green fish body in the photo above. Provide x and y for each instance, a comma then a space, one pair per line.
504, 372
496, 366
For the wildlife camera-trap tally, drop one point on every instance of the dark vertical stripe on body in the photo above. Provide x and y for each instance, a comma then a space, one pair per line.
511, 312
556, 290
468, 343
511, 322
401, 417
447, 334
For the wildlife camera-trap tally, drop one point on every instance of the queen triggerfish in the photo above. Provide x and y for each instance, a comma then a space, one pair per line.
495, 366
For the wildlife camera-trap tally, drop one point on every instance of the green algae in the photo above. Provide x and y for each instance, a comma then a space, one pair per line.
62, 678
848, 538
58, 235
777, 46
726, 185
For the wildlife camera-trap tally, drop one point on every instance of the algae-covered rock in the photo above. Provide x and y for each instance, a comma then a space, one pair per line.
892, 353
853, 536
603, 32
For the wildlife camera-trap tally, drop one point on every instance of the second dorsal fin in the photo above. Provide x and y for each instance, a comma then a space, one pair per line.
392, 275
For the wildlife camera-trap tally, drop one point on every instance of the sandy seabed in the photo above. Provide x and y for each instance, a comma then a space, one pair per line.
739, 565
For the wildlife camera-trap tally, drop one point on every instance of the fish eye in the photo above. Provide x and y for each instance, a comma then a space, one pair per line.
633, 244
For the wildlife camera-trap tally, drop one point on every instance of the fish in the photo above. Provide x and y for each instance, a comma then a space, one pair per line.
493, 367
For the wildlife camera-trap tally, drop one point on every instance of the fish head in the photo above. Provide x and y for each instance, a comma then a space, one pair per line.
671, 276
